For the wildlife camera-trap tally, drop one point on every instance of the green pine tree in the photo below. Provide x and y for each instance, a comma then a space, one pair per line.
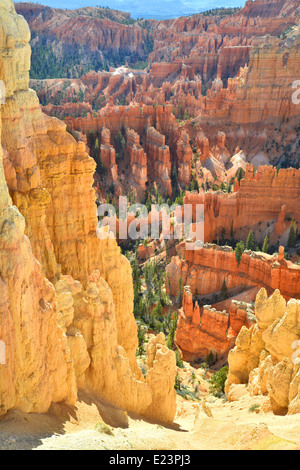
171, 338
250, 241
265, 246
240, 174
224, 290
292, 240
239, 250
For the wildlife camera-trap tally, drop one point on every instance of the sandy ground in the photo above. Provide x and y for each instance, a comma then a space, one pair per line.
95, 425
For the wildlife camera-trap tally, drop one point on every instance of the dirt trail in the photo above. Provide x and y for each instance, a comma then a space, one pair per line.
93, 424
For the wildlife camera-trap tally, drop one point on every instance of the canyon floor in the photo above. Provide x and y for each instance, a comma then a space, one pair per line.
95, 425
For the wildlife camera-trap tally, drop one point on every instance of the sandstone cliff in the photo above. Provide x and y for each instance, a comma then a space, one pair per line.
259, 202
227, 72
266, 355
152, 160
205, 268
82, 331
38, 367
105, 35
205, 330
202, 272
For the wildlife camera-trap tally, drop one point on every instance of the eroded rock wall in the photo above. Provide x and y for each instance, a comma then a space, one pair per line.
266, 196
38, 368
266, 355
205, 268
205, 330
82, 331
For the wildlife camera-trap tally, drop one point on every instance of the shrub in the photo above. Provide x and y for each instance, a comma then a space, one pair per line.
217, 382
104, 428
254, 408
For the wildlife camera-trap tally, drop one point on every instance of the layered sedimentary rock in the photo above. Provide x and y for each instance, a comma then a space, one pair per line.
229, 72
203, 272
138, 160
184, 156
253, 96
210, 44
152, 125
205, 330
265, 9
261, 197
266, 356
108, 155
38, 367
262, 92
161, 372
159, 154
205, 268
65, 336
103, 33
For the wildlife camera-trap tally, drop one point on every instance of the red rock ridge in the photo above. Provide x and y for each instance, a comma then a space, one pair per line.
205, 269
201, 331
260, 197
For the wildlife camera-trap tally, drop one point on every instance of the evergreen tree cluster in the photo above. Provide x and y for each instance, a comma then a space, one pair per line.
74, 61
153, 309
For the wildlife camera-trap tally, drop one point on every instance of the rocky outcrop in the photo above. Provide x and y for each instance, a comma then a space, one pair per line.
146, 130
108, 155
204, 330
205, 268
103, 33
266, 355
62, 337
203, 271
266, 9
161, 372
257, 202
38, 368
228, 73
215, 44
281, 66
184, 158
138, 160
159, 155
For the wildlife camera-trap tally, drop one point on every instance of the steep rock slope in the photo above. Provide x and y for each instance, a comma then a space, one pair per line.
38, 367
205, 268
266, 356
267, 197
73, 40
77, 329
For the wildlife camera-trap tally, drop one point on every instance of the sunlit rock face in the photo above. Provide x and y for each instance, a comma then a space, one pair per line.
66, 297
266, 355
38, 368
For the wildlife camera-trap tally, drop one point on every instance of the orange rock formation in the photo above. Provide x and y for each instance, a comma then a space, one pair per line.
267, 197
201, 331
203, 272
153, 161
205, 269
82, 331
219, 70
266, 356
138, 160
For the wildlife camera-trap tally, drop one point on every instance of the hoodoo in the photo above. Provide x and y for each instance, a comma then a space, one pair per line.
149, 227
66, 308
